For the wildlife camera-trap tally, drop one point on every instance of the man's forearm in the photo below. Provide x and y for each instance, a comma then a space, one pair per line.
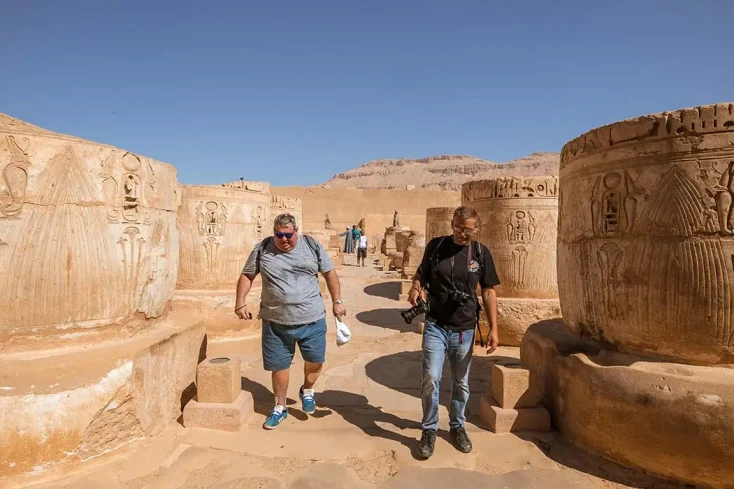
417, 279
243, 287
489, 299
332, 283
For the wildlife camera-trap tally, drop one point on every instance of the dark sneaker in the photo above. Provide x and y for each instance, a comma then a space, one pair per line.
460, 439
427, 443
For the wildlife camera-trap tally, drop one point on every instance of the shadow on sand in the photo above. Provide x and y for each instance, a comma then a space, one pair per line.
388, 290
389, 318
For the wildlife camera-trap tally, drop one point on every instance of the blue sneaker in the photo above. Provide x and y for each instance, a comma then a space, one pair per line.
308, 400
276, 417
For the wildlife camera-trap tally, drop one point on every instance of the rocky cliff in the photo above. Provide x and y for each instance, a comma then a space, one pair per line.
444, 172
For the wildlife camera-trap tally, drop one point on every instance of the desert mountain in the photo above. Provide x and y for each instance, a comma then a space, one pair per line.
445, 172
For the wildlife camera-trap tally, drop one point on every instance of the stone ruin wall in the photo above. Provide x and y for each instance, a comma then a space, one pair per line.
280, 204
438, 222
219, 227
88, 238
646, 249
519, 218
347, 206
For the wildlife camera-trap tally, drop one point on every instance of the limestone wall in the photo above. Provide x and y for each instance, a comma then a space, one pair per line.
438, 221
646, 240
347, 206
519, 217
219, 226
88, 237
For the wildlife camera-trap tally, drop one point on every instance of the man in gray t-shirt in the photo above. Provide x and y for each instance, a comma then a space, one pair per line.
291, 308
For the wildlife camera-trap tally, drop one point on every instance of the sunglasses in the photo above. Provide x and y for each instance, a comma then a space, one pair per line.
284, 235
464, 231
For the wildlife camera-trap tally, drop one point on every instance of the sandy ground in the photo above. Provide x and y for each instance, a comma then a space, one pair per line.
365, 431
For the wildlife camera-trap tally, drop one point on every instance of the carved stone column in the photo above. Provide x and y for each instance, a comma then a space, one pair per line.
438, 221
88, 238
643, 373
519, 217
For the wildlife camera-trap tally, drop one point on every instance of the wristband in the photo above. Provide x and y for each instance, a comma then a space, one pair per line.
240, 307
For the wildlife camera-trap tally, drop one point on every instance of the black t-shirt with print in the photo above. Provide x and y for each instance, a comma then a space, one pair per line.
443, 310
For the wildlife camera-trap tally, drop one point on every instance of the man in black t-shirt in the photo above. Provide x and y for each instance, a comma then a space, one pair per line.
450, 271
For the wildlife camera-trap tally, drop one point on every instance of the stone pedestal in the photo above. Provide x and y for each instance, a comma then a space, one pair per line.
411, 260
671, 419
218, 380
519, 220
219, 416
512, 405
514, 316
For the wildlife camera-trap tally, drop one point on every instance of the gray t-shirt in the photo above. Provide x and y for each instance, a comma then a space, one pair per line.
291, 294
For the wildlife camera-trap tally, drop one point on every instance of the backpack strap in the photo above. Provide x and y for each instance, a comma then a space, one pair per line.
311, 242
263, 244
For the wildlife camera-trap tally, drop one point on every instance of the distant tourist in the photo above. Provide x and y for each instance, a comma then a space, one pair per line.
361, 249
348, 240
355, 234
291, 308
451, 268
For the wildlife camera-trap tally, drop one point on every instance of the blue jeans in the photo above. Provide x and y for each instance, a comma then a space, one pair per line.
437, 344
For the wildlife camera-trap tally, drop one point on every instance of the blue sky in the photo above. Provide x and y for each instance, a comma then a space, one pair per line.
293, 92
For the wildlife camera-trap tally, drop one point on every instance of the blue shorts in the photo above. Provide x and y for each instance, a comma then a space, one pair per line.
279, 344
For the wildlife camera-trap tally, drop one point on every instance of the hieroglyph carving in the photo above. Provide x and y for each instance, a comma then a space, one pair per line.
432, 231
510, 187
211, 218
723, 194
132, 251
521, 227
259, 219
15, 179
282, 202
614, 203
126, 187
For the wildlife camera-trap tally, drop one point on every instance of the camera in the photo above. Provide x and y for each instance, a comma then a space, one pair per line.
458, 296
420, 308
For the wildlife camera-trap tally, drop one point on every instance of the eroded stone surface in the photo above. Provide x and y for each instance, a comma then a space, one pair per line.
514, 316
646, 236
95, 224
666, 418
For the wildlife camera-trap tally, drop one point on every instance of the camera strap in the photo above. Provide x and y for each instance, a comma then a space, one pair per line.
479, 308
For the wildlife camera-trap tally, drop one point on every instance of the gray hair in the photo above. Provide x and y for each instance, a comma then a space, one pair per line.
284, 219
465, 212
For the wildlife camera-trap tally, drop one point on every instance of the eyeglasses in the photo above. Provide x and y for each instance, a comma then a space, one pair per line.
284, 235
465, 231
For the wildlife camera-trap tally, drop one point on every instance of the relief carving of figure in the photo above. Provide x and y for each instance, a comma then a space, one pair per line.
519, 261
15, 177
395, 220
521, 228
723, 197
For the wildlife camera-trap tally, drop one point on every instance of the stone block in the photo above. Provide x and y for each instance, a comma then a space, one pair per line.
219, 416
218, 380
511, 387
513, 420
403, 297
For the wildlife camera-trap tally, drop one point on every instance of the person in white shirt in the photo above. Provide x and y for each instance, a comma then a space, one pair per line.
362, 249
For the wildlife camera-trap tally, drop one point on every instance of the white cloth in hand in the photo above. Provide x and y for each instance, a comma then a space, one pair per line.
343, 335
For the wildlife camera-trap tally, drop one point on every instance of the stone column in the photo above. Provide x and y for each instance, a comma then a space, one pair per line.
645, 257
519, 217
219, 227
88, 239
438, 221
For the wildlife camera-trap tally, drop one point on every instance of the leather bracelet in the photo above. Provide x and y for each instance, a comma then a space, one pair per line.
240, 308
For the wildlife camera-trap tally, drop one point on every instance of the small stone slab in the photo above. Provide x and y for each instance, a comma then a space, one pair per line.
219, 416
513, 420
